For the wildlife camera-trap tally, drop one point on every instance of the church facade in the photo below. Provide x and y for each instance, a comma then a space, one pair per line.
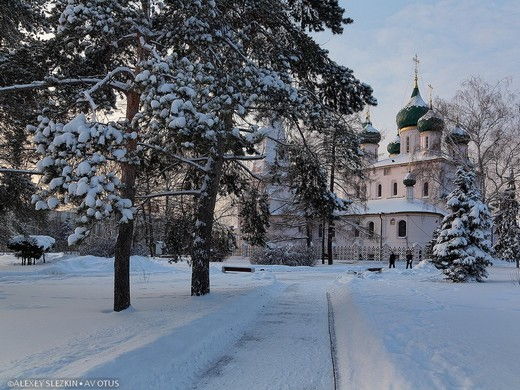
405, 191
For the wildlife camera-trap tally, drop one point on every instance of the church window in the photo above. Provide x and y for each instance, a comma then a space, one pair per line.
427, 142
379, 190
371, 230
401, 229
394, 189
386, 171
426, 189
320, 230
407, 144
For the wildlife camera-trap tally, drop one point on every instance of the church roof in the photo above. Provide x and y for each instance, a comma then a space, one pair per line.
402, 159
415, 109
369, 134
394, 147
394, 206
430, 121
458, 135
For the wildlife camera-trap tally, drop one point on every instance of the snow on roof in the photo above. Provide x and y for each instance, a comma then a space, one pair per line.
417, 101
394, 205
369, 128
402, 159
459, 130
44, 242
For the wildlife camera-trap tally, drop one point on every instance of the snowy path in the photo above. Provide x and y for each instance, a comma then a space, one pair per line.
287, 348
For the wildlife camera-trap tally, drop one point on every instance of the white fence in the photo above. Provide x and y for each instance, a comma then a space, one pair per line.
354, 252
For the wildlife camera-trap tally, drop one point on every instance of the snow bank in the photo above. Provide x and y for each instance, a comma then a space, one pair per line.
84, 265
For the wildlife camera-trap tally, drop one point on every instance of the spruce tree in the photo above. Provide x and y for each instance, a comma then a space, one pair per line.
507, 244
463, 247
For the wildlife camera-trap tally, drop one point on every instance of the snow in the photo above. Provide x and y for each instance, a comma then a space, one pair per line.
44, 242
369, 128
401, 329
403, 158
417, 101
393, 205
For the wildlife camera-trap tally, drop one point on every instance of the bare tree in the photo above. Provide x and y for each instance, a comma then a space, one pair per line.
489, 112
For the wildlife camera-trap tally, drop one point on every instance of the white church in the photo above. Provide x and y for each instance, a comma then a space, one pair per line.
405, 192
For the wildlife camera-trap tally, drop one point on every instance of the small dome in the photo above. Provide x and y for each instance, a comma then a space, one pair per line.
369, 135
459, 136
410, 114
409, 180
430, 122
394, 147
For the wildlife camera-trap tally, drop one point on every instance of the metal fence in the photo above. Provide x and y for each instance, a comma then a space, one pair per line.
354, 252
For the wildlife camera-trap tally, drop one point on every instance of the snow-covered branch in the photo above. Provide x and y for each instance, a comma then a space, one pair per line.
170, 193
177, 157
104, 81
243, 158
21, 171
53, 82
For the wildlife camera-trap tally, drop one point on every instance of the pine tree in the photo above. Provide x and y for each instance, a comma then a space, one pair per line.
463, 247
507, 245
191, 76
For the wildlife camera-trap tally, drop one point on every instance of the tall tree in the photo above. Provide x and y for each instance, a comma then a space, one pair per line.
507, 231
463, 247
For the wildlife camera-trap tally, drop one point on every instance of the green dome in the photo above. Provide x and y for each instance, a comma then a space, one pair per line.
459, 136
430, 122
369, 135
394, 147
410, 114
409, 180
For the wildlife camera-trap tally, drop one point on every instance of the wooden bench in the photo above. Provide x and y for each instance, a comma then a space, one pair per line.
232, 268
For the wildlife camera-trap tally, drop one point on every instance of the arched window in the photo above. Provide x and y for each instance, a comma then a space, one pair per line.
379, 190
356, 230
407, 144
425, 189
401, 229
371, 230
394, 189
427, 142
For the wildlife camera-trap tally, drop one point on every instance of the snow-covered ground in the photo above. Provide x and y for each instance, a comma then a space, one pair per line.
266, 330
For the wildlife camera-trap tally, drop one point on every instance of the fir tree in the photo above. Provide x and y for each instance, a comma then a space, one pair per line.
463, 247
507, 245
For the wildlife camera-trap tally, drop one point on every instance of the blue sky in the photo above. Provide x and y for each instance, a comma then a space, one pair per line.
454, 39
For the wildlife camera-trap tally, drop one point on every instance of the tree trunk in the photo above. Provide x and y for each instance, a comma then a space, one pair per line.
204, 216
308, 231
330, 233
323, 254
125, 233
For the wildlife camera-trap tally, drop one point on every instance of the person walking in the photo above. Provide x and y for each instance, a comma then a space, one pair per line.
391, 262
409, 259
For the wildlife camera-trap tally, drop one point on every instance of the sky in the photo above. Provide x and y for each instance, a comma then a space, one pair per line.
454, 39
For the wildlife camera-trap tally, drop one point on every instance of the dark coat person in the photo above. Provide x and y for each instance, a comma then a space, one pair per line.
391, 261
